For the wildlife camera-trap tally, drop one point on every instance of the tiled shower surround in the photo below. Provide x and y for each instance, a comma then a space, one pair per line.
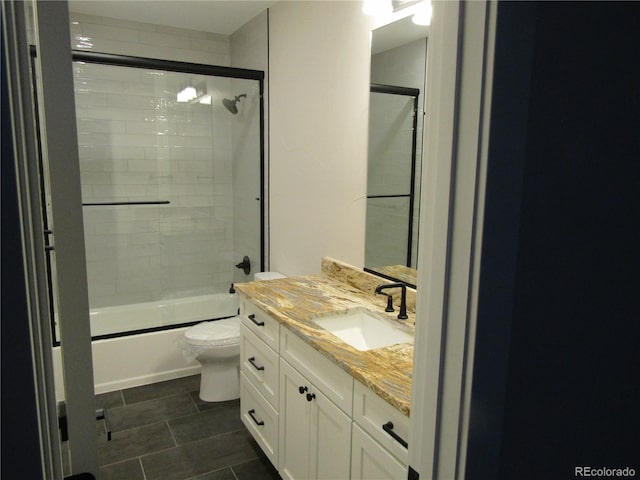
138, 144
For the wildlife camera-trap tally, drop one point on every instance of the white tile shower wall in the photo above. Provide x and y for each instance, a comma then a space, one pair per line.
135, 145
123, 37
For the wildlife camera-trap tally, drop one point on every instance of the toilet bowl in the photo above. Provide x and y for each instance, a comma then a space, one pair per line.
216, 345
217, 348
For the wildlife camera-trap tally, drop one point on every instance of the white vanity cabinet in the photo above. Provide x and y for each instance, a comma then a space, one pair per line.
309, 416
316, 400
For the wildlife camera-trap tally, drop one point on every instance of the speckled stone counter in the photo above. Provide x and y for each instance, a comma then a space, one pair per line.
296, 301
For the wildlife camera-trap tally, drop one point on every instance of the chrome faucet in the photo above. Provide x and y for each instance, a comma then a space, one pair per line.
403, 298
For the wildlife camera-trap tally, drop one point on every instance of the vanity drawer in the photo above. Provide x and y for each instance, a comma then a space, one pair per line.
261, 323
260, 418
260, 364
330, 379
371, 412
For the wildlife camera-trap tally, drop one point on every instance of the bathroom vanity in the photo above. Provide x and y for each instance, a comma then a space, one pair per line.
318, 406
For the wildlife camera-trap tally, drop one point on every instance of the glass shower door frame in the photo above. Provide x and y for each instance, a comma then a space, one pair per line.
231, 73
409, 92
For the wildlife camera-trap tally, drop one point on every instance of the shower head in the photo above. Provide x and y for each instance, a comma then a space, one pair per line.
231, 104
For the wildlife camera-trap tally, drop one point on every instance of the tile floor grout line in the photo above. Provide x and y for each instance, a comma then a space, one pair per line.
202, 439
194, 402
171, 432
197, 412
163, 418
233, 472
257, 457
207, 473
144, 474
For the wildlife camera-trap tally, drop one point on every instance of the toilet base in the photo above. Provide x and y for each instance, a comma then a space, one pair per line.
220, 382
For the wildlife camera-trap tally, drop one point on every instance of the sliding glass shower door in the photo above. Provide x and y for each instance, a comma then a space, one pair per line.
171, 161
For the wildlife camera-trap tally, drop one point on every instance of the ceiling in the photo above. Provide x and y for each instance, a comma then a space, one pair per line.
223, 17
399, 32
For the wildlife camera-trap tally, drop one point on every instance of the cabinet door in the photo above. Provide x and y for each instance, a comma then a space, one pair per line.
295, 424
330, 457
372, 462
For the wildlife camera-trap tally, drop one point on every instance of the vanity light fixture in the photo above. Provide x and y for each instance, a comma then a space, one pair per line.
191, 94
186, 94
423, 15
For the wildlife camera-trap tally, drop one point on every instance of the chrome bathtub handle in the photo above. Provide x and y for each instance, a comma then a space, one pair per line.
258, 422
252, 317
252, 361
388, 427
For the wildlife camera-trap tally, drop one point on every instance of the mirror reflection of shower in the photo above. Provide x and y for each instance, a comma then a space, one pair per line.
231, 105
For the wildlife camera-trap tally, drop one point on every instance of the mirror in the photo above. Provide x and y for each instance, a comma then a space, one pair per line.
396, 118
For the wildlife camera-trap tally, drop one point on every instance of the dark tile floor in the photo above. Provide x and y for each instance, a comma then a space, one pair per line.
164, 431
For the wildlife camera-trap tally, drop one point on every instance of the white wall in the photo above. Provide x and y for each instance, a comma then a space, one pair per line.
319, 58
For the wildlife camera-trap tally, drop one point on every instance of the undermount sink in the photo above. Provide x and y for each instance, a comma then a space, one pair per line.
364, 330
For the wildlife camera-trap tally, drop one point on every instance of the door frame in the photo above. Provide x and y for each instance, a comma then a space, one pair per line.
56, 107
458, 96
28, 406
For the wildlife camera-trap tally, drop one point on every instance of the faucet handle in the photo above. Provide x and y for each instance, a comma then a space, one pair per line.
389, 303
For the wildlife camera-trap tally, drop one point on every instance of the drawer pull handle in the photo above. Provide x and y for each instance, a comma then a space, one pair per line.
252, 317
310, 396
258, 422
252, 361
302, 390
388, 427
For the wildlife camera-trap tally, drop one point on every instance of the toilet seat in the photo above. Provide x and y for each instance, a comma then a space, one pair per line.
215, 333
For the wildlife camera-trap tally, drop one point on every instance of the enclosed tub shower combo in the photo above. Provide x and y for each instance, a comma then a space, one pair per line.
172, 172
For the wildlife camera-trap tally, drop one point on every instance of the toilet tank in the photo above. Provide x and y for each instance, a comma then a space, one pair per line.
259, 276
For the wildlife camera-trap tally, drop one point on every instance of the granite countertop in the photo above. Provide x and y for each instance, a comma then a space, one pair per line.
296, 301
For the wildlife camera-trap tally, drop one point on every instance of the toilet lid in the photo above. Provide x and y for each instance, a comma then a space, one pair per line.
215, 332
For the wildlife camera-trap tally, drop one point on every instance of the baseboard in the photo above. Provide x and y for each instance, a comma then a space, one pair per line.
146, 379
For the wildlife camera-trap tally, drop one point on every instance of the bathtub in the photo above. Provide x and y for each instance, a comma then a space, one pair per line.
145, 353
143, 316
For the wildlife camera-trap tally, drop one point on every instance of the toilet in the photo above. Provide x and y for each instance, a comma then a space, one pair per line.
216, 345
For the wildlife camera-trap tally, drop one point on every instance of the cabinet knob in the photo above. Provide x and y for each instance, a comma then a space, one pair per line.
302, 390
310, 396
